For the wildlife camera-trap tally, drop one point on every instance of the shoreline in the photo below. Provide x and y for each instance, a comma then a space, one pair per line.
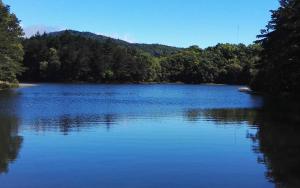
27, 85
30, 84
7, 85
242, 88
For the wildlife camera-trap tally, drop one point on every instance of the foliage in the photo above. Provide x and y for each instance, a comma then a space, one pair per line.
69, 58
224, 63
77, 58
279, 68
156, 50
11, 51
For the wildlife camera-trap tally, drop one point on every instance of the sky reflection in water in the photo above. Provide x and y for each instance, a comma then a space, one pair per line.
134, 136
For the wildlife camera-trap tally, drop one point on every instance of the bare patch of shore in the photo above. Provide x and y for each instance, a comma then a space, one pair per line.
27, 85
245, 90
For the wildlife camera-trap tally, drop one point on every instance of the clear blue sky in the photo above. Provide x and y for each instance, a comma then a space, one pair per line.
173, 22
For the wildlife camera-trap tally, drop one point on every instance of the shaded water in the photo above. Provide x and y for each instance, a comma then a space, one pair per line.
178, 136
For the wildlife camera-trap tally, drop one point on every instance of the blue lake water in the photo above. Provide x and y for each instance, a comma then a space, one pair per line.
132, 136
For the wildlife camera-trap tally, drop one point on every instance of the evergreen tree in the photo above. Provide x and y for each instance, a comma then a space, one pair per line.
53, 65
67, 58
279, 68
11, 50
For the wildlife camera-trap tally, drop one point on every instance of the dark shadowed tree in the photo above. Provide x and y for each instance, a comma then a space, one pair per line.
279, 68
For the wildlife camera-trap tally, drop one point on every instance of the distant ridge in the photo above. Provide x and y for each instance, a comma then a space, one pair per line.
154, 49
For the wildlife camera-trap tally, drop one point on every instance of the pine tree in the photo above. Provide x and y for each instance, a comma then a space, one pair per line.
279, 68
11, 50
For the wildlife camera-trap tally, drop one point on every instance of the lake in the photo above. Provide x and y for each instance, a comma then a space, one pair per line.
144, 136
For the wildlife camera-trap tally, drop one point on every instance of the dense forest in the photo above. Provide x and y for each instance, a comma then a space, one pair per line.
153, 49
271, 65
67, 57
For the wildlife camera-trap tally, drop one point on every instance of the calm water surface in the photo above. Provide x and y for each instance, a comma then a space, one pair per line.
142, 136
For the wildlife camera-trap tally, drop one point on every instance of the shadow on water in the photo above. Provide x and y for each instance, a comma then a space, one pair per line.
223, 116
277, 142
10, 141
66, 123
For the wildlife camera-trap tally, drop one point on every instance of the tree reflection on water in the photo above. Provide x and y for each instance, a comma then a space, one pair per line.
277, 140
10, 141
67, 123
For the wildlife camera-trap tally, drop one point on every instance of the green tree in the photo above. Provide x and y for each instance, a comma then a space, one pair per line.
182, 66
11, 50
279, 68
77, 58
53, 65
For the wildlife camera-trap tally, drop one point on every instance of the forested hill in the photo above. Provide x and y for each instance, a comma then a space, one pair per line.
69, 57
156, 50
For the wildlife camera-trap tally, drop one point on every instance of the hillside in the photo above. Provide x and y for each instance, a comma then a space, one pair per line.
154, 49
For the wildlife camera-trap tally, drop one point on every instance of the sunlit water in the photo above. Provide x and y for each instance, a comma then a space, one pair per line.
130, 136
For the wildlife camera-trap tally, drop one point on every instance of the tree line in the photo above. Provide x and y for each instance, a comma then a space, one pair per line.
69, 58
